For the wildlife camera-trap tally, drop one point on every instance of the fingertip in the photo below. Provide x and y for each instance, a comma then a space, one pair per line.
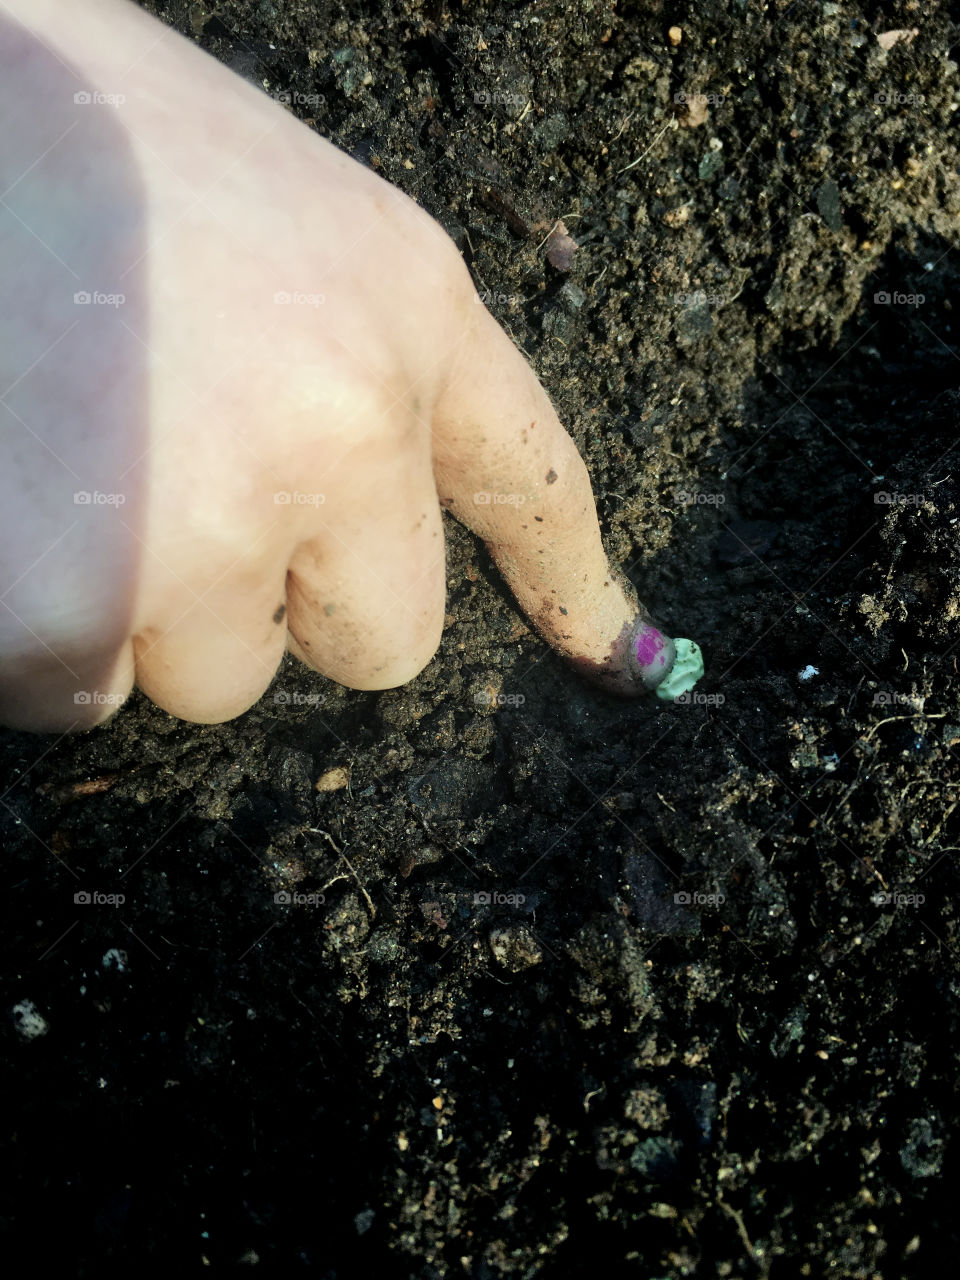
47, 696
638, 662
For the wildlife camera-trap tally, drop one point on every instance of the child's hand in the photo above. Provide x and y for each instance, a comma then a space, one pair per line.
243, 440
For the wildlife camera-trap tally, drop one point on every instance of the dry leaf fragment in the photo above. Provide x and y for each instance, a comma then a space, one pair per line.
561, 247
887, 39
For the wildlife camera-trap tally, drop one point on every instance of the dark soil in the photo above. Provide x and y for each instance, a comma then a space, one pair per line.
577, 1072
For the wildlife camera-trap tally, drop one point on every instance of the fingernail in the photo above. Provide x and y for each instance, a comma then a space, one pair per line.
653, 652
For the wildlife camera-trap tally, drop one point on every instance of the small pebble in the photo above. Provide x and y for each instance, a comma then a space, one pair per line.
514, 947
333, 779
114, 959
30, 1022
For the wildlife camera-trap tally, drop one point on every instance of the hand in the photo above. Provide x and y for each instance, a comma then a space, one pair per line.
239, 441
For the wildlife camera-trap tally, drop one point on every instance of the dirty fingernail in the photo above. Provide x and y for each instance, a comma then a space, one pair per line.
653, 653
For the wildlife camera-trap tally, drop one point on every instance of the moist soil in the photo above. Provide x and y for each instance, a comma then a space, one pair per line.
571, 983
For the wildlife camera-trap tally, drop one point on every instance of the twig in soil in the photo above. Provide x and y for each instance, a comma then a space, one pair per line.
445, 845
936, 830
743, 284
672, 123
939, 715
333, 880
88, 787
369, 901
318, 831
854, 694
622, 127
547, 236
503, 982
756, 1254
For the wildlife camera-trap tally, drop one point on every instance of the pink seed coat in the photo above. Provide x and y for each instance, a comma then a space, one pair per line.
650, 646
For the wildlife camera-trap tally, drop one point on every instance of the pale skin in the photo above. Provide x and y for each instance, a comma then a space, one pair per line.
264, 474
